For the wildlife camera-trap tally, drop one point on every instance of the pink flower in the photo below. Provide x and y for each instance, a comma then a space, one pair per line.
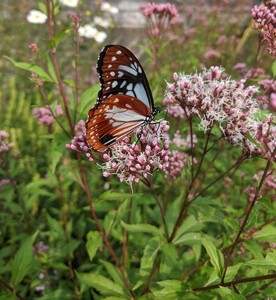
80, 128
138, 161
159, 16
266, 136
33, 48
44, 115
273, 101
80, 144
265, 21
217, 99
211, 54
186, 143
4, 146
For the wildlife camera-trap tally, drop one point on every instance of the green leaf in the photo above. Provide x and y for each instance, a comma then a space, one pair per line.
102, 284
60, 35
88, 98
113, 271
114, 196
23, 260
267, 204
231, 223
51, 69
94, 242
70, 82
57, 149
230, 295
150, 253
169, 260
42, 7
191, 224
216, 257
268, 263
190, 238
142, 228
232, 271
170, 290
32, 68
266, 234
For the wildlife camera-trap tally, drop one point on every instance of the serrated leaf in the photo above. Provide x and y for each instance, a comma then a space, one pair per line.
113, 272
102, 284
267, 204
232, 223
146, 228
23, 259
169, 260
150, 253
170, 290
94, 242
266, 234
268, 263
229, 294
32, 68
216, 257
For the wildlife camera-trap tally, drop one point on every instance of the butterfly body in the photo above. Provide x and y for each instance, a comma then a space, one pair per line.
124, 101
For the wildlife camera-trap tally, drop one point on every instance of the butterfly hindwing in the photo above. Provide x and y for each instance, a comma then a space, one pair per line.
114, 119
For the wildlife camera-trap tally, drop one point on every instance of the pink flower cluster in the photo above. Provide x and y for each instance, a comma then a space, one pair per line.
186, 143
268, 97
4, 146
217, 99
265, 21
44, 115
268, 188
167, 9
79, 142
159, 16
139, 160
266, 136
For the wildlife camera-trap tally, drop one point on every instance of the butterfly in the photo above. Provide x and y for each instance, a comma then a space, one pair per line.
124, 101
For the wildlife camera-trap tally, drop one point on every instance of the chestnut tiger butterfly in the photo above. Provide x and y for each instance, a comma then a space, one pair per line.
124, 101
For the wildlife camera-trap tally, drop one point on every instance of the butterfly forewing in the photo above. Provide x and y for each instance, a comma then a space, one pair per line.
121, 73
114, 119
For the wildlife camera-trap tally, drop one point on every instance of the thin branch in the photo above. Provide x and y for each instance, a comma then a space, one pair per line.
231, 283
245, 220
8, 287
100, 228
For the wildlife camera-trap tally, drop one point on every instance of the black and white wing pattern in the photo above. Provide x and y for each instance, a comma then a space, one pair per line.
124, 101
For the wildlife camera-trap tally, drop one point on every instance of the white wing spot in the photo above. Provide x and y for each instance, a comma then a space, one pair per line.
113, 58
130, 58
114, 83
120, 74
116, 100
119, 52
109, 66
128, 105
139, 70
108, 88
112, 73
129, 87
123, 84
